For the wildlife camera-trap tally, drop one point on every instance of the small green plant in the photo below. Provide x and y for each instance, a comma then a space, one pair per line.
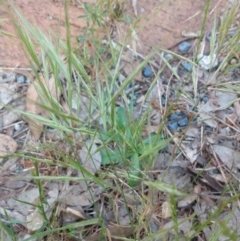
124, 144
96, 17
93, 17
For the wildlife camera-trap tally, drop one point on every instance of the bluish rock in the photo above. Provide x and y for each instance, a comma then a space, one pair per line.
215, 171
168, 57
204, 99
173, 125
191, 107
129, 86
188, 66
163, 100
183, 122
184, 47
208, 128
19, 168
174, 116
236, 74
147, 72
208, 37
115, 89
134, 98
21, 79
232, 34
183, 113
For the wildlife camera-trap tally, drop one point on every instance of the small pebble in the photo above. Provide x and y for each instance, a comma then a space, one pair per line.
174, 116
129, 86
163, 100
233, 61
184, 47
236, 73
168, 57
183, 122
214, 171
142, 10
19, 168
232, 34
115, 89
147, 72
134, 98
21, 79
184, 113
201, 160
208, 128
191, 107
17, 127
208, 62
208, 37
172, 126
204, 99
119, 80
187, 66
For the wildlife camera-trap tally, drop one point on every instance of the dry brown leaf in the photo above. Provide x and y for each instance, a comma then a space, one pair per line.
237, 108
184, 225
123, 216
190, 198
232, 224
150, 129
130, 66
115, 230
191, 154
35, 220
166, 210
228, 156
75, 212
7, 93
187, 200
13, 214
7, 145
90, 158
176, 176
220, 178
219, 101
14, 184
32, 104
77, 195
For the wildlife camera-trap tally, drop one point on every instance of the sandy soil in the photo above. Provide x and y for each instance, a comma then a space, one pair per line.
161, 23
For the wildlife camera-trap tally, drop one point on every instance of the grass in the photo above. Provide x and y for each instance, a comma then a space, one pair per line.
126, 154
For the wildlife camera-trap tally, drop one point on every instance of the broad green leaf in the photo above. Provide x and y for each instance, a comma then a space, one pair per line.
87, 7
113, 156
105, 135
134, 171
150, 142
127, 19
121, 118
82, 16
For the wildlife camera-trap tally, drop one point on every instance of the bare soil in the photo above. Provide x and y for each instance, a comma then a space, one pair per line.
161, 23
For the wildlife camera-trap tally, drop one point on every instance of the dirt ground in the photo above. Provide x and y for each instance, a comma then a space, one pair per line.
161, 23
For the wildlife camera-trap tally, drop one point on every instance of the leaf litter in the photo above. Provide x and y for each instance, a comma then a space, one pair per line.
202, 156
